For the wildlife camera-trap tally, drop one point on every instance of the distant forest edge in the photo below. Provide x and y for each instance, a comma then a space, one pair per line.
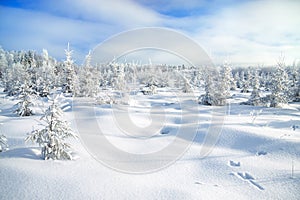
31, 73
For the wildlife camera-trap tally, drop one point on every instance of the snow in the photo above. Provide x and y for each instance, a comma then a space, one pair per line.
253, 159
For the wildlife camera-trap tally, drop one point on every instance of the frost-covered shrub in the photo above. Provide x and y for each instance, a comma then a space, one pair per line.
3, 143
53, 134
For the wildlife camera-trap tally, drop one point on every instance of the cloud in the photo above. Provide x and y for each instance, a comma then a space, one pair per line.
82, 23
245, 32
123, 13
30, 29
253, 32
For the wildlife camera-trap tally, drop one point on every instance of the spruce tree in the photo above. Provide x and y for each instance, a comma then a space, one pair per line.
227, 79
69, 72
53, 134
215, 90
187, 87
46, 76
246, 81
280, 89
255, 98
26, 98
89, 79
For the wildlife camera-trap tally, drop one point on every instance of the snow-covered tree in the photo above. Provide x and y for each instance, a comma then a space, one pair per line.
26, 98
227, 79
187, 88
3, 143
245, 77
89, 79
45, 75
255, 98
14, 78
237, 80
3, 63
294, 75
215, 90
69, 72
280, 89
118, 76
207, 98
52, 137
297, 90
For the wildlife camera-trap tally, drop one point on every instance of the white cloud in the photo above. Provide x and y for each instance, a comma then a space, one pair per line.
26, 29
254, 32
125, 13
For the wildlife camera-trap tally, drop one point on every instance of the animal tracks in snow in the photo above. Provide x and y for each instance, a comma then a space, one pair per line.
249, 178
244, 175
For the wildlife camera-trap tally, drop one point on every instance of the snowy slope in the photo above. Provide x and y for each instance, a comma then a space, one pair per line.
253, 158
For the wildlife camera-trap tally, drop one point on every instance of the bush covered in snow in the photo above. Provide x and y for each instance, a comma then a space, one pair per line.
53, 135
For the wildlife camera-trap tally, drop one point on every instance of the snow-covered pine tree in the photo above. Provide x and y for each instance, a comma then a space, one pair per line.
221, 92
227, 79
237, 80
69, 72
46, 76
294, 77
3, 143
297, 89
3, 63
187, 87
89, 79
280, 89
207, 98
215, 90
14, 78
26, 98
54, 133
255, 98
246, 81
118, 76
196, 78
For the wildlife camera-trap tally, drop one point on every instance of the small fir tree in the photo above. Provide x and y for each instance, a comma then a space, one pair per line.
227, 79
89, 79
187, 87
215, 91
255, 98
54, 133
69, 72
25, 103
280, 89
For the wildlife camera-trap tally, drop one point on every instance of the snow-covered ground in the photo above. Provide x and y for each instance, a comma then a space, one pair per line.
257, 155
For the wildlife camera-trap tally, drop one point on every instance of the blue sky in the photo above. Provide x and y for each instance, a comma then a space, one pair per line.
242, 32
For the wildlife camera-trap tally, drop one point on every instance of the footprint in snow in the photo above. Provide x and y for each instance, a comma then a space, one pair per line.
234, 164
261, 153
249, 178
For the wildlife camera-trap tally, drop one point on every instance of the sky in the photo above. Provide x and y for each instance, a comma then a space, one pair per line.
255, 33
